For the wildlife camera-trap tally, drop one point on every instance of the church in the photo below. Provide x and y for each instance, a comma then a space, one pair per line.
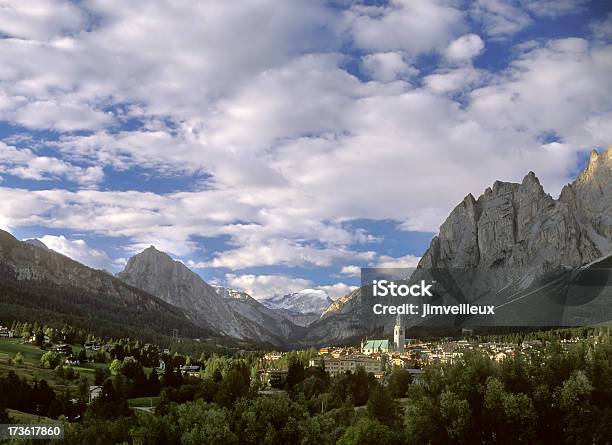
369, 347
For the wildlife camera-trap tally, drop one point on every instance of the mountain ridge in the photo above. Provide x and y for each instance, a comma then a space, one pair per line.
39, 279
157, 273
511, 229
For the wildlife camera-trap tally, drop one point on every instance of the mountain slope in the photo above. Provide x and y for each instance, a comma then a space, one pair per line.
302, 308
278, 324
510, 236
156, 272
36, 281
306, 301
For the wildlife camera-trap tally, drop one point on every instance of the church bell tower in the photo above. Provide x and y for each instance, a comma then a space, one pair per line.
399, 335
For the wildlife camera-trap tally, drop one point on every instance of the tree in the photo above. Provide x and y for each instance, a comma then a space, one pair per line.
82, 356
574, 400
232, 387
39, 338
153, 384
399, 380
510, 417
295, 374
201, 423
18, 359
456, 415
4, 417
131, 368
60, 372
272, 420
366, 432
70, 373
382, 407
115, 367
360, 386
100, 375
209, 389
50, 360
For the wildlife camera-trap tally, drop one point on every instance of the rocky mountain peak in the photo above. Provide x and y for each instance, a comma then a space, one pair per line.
36, 243
513, 231
531, 180
225, 311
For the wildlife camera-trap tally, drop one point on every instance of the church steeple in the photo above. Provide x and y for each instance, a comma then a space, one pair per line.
399, 335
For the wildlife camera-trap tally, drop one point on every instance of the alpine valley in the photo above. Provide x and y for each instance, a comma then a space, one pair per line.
508, 244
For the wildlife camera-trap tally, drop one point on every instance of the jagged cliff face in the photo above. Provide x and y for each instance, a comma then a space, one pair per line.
589, 197
510, 232
157, 273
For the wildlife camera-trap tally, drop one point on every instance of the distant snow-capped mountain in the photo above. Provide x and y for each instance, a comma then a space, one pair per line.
306, 301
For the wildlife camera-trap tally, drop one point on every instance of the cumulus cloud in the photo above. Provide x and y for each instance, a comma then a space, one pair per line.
387, 66
407, 261
337, 290
24, 163
291, 142
39, 19
602, 29
263, 286
413, 26
284, 252
465, 47
452, 80
500, 18
77, 250
352, 271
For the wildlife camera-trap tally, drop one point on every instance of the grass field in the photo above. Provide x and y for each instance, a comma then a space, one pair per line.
144, 401
20, 417
31, 370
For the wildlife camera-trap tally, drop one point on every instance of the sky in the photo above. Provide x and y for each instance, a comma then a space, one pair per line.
276, 145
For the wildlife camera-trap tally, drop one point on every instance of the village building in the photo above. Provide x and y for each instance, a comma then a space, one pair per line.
190, 370
369, 347
335, 366
61, 349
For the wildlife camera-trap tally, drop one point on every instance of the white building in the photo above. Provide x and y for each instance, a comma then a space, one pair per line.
335, 366
399, 335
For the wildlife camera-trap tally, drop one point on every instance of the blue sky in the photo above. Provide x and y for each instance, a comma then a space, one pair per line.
274, 146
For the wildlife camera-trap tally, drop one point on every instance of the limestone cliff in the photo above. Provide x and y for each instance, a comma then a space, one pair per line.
511, 232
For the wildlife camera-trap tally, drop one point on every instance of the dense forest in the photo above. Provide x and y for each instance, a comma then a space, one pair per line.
560, 392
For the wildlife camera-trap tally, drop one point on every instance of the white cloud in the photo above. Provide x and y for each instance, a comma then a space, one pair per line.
602, 29
387, 66
500, 18
24, 163
389, 262
465, 47
352, 271
293, 144
263, 286
554, 8
39, 19
77, 250
452, 80
337, 290
413, 26
276, 252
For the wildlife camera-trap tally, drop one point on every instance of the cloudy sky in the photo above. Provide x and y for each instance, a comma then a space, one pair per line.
273, 145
